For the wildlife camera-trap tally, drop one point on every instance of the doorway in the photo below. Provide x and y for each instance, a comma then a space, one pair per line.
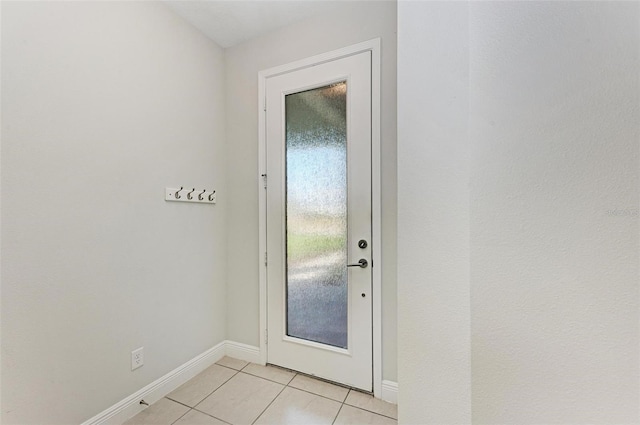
319, 283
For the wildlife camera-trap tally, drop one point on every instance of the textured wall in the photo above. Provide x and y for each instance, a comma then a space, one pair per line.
555, 133
243, 62
518, 198
433, 214
103, 105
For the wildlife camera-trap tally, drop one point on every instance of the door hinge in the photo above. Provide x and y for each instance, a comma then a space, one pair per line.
264, 179
265, 258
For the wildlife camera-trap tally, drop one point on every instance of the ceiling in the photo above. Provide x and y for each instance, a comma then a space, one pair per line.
231, 22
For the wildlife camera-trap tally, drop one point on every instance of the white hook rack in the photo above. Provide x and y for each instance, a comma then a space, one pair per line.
190, 194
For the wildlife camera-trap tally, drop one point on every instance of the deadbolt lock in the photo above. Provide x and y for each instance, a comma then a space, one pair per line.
362, 243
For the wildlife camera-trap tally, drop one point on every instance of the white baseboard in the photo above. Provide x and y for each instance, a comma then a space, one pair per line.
123, 410
389, 392
245, 352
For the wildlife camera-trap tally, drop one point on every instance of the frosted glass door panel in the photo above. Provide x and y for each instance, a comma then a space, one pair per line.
316, 214
318, 159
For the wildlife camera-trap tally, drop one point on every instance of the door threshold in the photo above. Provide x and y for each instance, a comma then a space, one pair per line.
328, 381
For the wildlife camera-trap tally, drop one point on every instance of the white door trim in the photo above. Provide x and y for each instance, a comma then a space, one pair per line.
374, 47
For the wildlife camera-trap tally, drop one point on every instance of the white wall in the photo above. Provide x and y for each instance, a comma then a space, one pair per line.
552, 197
555, 132
243, 62
433, 214
103, 105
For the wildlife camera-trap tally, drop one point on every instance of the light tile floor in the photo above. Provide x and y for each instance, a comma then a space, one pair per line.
235, 392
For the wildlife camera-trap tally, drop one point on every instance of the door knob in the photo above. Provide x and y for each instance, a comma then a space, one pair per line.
362, 263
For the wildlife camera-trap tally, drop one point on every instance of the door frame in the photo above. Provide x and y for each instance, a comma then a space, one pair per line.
372, 46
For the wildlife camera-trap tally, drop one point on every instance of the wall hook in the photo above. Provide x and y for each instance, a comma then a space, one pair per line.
195, 195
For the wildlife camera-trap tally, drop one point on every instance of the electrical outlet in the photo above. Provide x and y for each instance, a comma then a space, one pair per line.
137, 358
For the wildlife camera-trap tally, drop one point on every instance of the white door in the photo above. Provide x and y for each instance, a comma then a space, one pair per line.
319, 279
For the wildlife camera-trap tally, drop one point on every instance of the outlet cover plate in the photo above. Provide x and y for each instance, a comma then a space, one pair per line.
137, 358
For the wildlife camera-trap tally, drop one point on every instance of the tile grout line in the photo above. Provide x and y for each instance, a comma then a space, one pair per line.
179, 402
241, 370
232, 368
336, 384
295, 374
268, 379
344, 401
365, 409
274, 399
370, 411
217, 388
194, 407
237, 371
190, 409
319, 395
211, 416
337, 414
